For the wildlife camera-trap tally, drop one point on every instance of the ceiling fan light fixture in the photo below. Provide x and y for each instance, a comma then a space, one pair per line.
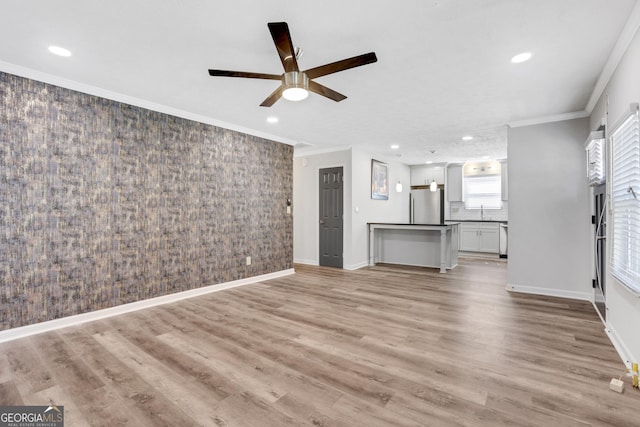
295, 86
295, 94
295, 83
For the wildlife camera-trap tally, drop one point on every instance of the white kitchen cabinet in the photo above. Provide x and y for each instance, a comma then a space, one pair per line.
454, 183
490, 238
418, 175
423, 175
480, 237
468, 238
504, 181
438, 174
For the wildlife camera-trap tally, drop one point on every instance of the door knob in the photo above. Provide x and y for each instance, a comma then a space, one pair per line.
322, 221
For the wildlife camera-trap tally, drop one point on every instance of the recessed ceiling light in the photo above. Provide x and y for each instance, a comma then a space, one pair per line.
467, 138
521, 57
485, 157
60, 51
429, 162
395, 146
272, 119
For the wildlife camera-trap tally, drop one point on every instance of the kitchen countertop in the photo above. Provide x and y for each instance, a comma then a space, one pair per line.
475, 220
406, 223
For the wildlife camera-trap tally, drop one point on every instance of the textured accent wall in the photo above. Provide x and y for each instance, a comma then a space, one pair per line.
102, 203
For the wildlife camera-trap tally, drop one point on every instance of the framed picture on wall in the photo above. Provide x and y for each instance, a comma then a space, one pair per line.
379, 180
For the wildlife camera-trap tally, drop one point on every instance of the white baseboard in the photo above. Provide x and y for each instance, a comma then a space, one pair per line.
50, 325
305, 261
316, 264
356, 266
584, 296
618, 344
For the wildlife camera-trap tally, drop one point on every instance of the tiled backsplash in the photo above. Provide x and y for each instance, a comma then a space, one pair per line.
102, 203
459, 213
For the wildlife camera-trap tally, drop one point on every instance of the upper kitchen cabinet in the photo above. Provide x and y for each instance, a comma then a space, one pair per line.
504, 181
424, 174
454, 183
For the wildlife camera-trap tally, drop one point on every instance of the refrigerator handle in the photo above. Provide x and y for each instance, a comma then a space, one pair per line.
411, 210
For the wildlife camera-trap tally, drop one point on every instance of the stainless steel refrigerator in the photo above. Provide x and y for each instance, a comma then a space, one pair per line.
426, 206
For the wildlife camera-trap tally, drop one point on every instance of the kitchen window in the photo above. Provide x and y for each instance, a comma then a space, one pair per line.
625, 193
483, 191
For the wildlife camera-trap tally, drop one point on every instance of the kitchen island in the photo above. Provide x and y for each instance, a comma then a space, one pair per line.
423, 245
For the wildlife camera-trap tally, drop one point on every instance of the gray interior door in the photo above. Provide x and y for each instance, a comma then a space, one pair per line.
331, 212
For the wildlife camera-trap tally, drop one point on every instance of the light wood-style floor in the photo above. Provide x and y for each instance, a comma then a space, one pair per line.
381, 346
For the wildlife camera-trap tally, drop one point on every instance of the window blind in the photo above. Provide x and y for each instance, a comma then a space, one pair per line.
625, 191
483, 191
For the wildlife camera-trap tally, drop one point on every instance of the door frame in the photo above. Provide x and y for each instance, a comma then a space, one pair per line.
317, 209
599, 272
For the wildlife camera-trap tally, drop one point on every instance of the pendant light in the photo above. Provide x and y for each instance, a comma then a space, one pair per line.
433, 186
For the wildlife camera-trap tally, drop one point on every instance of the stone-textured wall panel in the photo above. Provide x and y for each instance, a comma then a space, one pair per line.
103, 203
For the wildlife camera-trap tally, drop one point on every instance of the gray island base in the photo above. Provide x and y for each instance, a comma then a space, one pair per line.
423, 245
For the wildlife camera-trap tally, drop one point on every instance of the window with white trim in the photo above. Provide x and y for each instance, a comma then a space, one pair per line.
625, 194
482, 191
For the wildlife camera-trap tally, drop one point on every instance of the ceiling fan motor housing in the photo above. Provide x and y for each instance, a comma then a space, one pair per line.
296, 79
295, 85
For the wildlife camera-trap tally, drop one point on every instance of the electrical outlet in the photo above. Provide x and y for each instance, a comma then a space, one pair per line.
616, 385
248, 260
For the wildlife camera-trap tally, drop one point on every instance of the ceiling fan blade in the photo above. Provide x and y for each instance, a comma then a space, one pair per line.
271, 99
226, 73
284, 45
345, 64
325, 91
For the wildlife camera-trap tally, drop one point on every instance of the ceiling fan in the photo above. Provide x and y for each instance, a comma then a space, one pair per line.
295, 83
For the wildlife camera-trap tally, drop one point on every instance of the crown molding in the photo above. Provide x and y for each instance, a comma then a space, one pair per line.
311, 151
130, 100
619, 49
549, 119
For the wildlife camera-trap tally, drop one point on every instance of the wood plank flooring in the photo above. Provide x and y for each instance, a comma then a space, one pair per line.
381, 346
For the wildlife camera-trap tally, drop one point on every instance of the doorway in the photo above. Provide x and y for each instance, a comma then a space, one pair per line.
600, 229
331, 217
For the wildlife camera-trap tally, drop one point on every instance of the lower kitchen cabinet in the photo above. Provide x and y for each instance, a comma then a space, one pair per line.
480, 237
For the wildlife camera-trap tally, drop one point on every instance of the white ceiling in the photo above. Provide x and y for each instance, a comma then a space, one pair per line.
443, 67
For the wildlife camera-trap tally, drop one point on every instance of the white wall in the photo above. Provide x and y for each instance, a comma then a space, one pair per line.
623, 307
394, 210
305, 202
549, 217
357, 193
